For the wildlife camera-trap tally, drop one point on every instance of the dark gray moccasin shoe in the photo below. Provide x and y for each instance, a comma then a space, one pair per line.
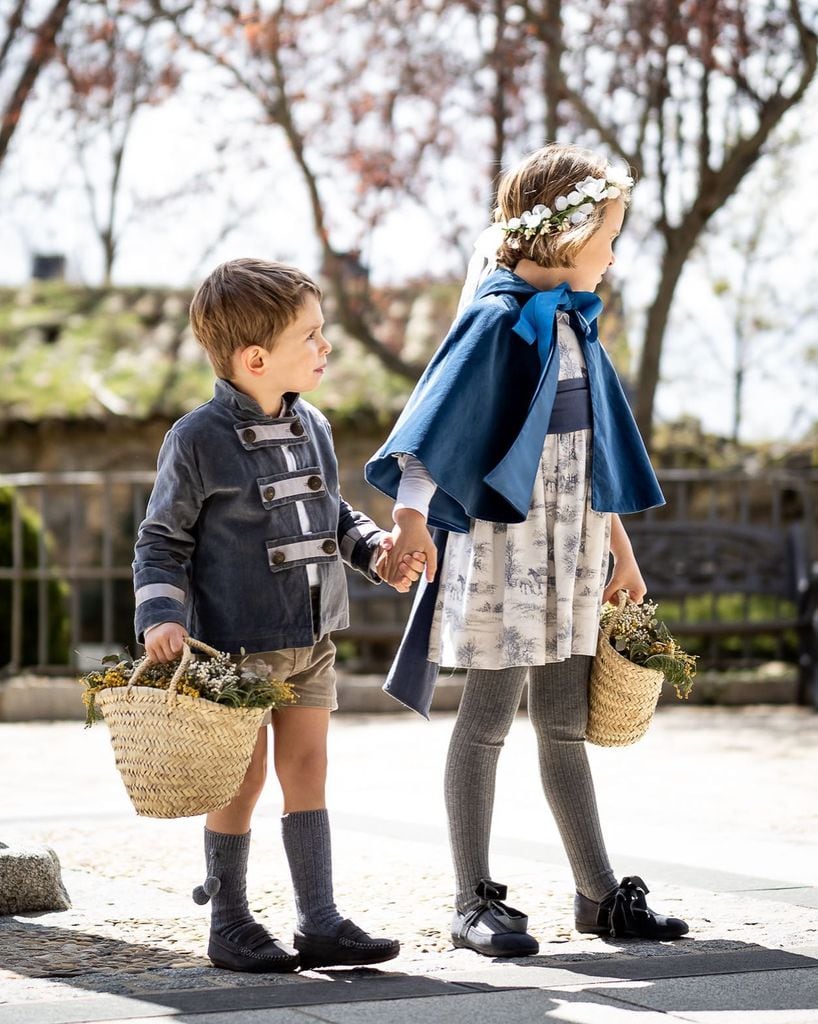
350, 946
492, 928
257, 953
624, 914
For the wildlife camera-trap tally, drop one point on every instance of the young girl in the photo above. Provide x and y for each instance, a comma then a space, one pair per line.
519, 447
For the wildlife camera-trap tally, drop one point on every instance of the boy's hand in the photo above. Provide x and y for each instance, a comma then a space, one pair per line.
410, 568
165, 642
411, 544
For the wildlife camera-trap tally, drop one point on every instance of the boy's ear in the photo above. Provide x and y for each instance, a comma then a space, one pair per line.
253, 359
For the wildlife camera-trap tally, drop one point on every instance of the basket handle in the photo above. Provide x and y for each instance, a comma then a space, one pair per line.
621, 602
187, 656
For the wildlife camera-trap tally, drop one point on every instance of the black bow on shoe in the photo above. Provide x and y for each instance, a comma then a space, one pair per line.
626, 914
492, 894
492, 928
629, 912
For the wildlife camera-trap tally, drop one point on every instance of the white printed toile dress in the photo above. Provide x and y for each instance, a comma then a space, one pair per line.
529, 593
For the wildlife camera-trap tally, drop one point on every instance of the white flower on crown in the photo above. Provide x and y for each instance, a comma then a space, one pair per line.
618, 178
571, 210
594, 188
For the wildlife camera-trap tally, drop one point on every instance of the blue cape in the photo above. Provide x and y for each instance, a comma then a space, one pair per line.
478, 416
477, 420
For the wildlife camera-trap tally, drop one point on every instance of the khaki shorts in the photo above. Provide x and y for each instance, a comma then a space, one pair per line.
309, 670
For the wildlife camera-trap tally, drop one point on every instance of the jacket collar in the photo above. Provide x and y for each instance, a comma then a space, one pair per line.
226, 394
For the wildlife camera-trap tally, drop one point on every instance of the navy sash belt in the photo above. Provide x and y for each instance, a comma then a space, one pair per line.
572, 407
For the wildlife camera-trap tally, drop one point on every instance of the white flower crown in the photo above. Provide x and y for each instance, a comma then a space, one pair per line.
569, 211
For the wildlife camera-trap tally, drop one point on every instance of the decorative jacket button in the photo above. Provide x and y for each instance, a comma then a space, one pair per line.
269, 493
297, 429
329, 546
314, 483
278, 557
248, 436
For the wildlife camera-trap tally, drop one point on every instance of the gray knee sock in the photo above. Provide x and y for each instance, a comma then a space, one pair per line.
226, 860
487, 709
558, 709
306, 838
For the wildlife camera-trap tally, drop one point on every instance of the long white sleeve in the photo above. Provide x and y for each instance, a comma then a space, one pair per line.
416, 488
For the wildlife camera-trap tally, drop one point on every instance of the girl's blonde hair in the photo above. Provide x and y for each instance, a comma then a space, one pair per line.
539, 179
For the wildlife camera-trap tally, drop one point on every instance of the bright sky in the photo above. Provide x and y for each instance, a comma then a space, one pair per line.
44, 209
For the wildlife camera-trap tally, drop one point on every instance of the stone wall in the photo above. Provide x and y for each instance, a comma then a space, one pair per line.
123, 444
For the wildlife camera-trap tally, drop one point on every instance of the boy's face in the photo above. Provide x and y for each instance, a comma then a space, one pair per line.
299, 356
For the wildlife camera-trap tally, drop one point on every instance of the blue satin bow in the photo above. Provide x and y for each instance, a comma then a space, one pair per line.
536, 322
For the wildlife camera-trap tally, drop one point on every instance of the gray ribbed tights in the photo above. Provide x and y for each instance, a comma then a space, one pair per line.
558, 709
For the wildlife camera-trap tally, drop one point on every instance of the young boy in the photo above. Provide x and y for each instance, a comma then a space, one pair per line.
242, 545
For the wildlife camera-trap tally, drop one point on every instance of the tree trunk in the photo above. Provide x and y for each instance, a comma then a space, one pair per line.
41, 54
553, 70
677, 249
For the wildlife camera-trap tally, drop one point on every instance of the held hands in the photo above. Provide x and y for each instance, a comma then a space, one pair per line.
164, 642
406, 551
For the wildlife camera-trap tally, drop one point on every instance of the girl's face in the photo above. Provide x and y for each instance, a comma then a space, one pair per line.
596, 255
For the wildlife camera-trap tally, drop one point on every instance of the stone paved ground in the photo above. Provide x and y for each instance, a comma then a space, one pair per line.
716, 808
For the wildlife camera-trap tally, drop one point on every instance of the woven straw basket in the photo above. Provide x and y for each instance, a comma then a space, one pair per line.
178, 755
622, 696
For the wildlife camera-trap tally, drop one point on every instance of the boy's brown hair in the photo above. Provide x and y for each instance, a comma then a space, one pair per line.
545, 174
246, 302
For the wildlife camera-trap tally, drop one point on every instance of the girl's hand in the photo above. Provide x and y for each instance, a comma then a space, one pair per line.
411, 544
411, 566
165, 642
626, 576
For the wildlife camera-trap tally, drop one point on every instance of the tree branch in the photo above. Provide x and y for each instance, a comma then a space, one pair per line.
277, 106
13, 26
41, 53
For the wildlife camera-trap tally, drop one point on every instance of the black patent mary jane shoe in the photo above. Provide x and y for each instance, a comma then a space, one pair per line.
624, 914
257, 952
350, 946
492, 928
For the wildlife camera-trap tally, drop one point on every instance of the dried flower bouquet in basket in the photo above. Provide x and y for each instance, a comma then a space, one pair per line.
638, 635
243, 684
635, 653
183, 732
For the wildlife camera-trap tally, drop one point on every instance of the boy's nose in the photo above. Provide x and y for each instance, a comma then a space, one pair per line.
325, 345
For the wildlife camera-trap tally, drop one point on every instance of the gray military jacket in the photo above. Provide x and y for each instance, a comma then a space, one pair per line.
223, 550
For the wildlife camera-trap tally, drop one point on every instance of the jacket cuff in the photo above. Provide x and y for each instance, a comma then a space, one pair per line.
154, 610
363, 554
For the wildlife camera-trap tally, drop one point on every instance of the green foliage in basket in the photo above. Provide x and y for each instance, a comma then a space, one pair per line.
641, 638
238, 684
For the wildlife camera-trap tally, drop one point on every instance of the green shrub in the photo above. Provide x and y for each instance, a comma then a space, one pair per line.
756, 646
57, 590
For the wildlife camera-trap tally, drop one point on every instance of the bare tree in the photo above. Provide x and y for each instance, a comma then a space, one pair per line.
688, 93
115, 65
769, 313
335, 81
40, 47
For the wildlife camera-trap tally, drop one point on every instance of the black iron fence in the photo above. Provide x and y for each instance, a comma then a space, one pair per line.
722, 544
